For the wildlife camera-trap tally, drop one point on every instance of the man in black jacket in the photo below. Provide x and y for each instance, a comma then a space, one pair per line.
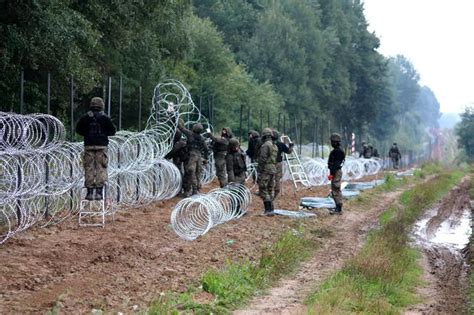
95, 127
335, 162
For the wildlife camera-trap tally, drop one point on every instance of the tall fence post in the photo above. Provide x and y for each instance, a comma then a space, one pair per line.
301, 136
22, 90
120, 104
109, 95
71, 103
48, 98
240, 125
140, 108
322, 138
248, 119
46, 162
279, 120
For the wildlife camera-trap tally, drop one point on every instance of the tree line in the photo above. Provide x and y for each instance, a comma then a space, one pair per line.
305, 59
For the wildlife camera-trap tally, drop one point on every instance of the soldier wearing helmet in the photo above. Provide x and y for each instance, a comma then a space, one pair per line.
395, 155
220, 146
95, 127
335, 162
282, 148
267, 155
235, 162
198, 154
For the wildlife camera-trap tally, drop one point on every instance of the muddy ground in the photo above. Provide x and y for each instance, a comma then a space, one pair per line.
445, 267
344, 236
130, 261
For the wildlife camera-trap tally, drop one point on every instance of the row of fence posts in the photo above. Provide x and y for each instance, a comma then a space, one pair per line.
284, 124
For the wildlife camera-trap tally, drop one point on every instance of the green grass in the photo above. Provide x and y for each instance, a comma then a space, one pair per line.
232, 285
382, 277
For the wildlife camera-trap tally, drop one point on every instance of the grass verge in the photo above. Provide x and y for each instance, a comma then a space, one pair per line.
382, 277
222, 290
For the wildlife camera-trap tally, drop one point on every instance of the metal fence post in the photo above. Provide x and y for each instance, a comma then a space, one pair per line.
109, 95
22, 89
120, 105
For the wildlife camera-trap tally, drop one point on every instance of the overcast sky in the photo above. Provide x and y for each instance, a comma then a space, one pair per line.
437, 36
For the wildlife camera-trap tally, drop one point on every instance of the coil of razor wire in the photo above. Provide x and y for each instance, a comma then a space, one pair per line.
317, 170
195, 216
41, 171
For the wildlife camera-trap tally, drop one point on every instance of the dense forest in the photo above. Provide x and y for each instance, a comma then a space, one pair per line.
311, 61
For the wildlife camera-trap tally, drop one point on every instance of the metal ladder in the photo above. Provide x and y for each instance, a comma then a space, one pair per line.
93, 212
298, 174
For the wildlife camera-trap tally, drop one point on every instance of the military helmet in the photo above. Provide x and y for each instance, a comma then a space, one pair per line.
254, 133
234, 142
276, 134
97, 103
228, 131
336, 137
267, 132
198, 128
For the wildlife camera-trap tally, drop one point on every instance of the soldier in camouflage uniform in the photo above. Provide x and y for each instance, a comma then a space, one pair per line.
235, 163
252, 151
267, 169
220, 146
179, 152
95, 127
282, 148
197, 155
335, 162
395, 155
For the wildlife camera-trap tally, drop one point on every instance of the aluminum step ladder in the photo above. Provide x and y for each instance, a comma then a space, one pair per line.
93, 212
298, 174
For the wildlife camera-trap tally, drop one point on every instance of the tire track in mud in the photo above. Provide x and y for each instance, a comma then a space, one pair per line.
444, 265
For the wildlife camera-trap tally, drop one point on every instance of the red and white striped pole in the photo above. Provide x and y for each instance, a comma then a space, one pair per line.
353, 144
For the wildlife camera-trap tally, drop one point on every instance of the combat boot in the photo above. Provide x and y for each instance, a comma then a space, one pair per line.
98, 193
337, 210
268, 208
90, 194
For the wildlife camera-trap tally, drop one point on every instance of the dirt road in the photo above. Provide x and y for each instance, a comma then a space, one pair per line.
346, 236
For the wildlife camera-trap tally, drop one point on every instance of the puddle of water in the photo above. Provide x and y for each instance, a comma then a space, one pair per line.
453, 233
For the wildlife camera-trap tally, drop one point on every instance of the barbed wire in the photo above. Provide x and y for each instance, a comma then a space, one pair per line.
40, 171
195, 216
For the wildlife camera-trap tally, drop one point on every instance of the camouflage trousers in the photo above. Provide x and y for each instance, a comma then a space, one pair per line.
336, 187
95, 161
192, 173
221, 173
395, 163
278, 176
266, 186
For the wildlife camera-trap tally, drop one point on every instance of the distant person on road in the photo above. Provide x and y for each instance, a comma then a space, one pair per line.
95, 126
395, 155
335, 162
